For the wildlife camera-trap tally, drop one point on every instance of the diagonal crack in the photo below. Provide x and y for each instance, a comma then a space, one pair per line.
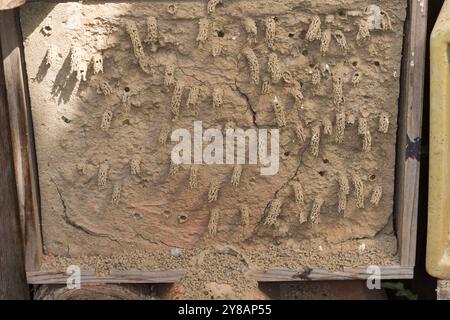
247, 98
69, 220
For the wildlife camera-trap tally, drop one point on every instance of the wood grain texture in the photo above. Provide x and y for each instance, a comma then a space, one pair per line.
21, 137
12, 266
410, 131
282, 275
89, 277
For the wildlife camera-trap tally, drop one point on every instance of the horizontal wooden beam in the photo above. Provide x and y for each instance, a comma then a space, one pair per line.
274, 275
89, 277
283, 275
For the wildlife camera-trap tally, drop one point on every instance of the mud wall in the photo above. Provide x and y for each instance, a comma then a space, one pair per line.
110, 82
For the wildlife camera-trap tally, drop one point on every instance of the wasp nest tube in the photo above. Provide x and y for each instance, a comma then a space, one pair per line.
351, 119
211, 6
253, 64
314, 31
97, 62
377, 193
383, 126
340, 127
340, 39
251, 29
174, 168
265, 87
163, 134
117, 190
367, 141
300, 132
299, 201
79, 63
274, 67
274, 212
216, 46
102, 175
217, 99
363, 31
362, 125
236, 175
52, 55
356, 78
213, 222
327, 126
271, 27
104, 88
138, 49
193, 177
325, 42
152, 33
344, 191
245, 215
213, 192
386, 23
203, 31
82, 168
297, 94
176, 99
126, 101
193, 96
338, 90
169, 74
359, 191
280, 115
315, 141
106, 120
135, 166
315, 211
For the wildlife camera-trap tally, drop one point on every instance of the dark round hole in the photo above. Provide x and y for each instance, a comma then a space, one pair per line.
220, 34
305, 52
287, 153
290, 35
48, 28
342, 13
275, 19
127, 89
182, 218
326, 161
322, 173
354, 63
377, 63
372, 177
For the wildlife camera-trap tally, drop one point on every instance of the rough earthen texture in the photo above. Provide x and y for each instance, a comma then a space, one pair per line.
134, 88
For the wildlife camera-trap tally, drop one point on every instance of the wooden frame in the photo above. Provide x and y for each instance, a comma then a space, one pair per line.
407, 171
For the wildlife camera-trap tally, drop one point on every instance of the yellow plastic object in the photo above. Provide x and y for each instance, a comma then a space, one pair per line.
438, 247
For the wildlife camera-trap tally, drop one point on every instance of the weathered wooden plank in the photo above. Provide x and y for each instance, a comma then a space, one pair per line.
11, 4
22, 137
13, 283
410, 131
115, 277
283, 275
274, 275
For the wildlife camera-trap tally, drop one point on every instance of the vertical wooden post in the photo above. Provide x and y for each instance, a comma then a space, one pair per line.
13, 283
22, 137
410, 131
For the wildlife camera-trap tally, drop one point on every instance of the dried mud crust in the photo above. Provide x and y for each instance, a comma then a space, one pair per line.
108, 83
